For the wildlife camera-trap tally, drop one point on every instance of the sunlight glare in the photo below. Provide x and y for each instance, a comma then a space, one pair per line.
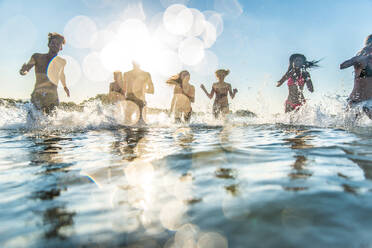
178, 19
197, 27
72, 70
191, 51
209, 35
79, 31
93, 68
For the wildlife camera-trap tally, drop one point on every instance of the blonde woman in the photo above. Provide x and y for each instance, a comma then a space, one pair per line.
183, 96
221, 89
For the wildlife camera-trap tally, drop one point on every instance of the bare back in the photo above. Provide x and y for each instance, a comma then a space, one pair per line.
138, 82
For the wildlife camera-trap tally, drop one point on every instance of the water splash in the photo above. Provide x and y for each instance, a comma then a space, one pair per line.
328, 113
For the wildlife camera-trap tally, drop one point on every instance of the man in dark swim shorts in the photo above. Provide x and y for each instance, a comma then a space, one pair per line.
49, 70
136, 84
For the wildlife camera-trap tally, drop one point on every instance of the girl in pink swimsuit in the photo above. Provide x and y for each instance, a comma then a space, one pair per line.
297, 76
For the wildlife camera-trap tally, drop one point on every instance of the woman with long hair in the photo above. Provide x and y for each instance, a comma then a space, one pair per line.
297, 76
221, 89
183, 96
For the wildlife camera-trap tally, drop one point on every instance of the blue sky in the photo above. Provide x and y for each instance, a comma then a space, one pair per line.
257, 40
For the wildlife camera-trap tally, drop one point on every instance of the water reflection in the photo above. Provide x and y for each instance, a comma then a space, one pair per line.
56, 218
298, 144
126, 142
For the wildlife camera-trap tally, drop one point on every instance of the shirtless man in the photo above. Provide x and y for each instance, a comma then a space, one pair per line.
221, 89
49, 70
362, 91
136, 84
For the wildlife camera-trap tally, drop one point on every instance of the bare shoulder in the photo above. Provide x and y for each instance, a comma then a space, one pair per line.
36, 55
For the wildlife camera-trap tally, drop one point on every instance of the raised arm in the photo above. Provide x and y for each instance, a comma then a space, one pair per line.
210, 95
231, 92
28, 66
150, 85
354, 61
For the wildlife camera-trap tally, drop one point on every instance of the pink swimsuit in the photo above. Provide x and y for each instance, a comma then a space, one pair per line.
299, 82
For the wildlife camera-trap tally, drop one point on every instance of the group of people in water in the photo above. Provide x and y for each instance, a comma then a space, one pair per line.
134, 84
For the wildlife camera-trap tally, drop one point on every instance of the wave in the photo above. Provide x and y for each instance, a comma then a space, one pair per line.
97, 114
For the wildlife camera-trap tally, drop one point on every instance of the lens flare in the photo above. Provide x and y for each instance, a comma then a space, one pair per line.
178, 19
186, 236
79, 32
197, 27
93, 68
101, 38
115, 56
212, 240
229, 8
215, 19
191, 51
171, 215
55, 68
72, 70
169, 40
208, 65
130, 113
209, 35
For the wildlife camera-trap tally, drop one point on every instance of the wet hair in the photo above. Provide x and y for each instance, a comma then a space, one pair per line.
178, 78
56, 35
307, 64
367, 46
222, 72
368, 40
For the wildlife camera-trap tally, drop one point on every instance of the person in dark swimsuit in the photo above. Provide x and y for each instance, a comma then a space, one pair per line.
221, 89
297, 76
117, 92
183, 96
136, 84
49, 70
362, 91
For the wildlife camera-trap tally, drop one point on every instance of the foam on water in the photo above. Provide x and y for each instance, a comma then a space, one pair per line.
328, 113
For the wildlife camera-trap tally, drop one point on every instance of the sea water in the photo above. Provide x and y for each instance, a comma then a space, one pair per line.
82, 179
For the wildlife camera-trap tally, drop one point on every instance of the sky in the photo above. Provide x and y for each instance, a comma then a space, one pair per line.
253, 39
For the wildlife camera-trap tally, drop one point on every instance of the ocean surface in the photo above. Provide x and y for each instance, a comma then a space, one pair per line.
82, 179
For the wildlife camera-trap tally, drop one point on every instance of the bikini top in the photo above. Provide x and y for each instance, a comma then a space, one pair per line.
220, 94
300, 81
